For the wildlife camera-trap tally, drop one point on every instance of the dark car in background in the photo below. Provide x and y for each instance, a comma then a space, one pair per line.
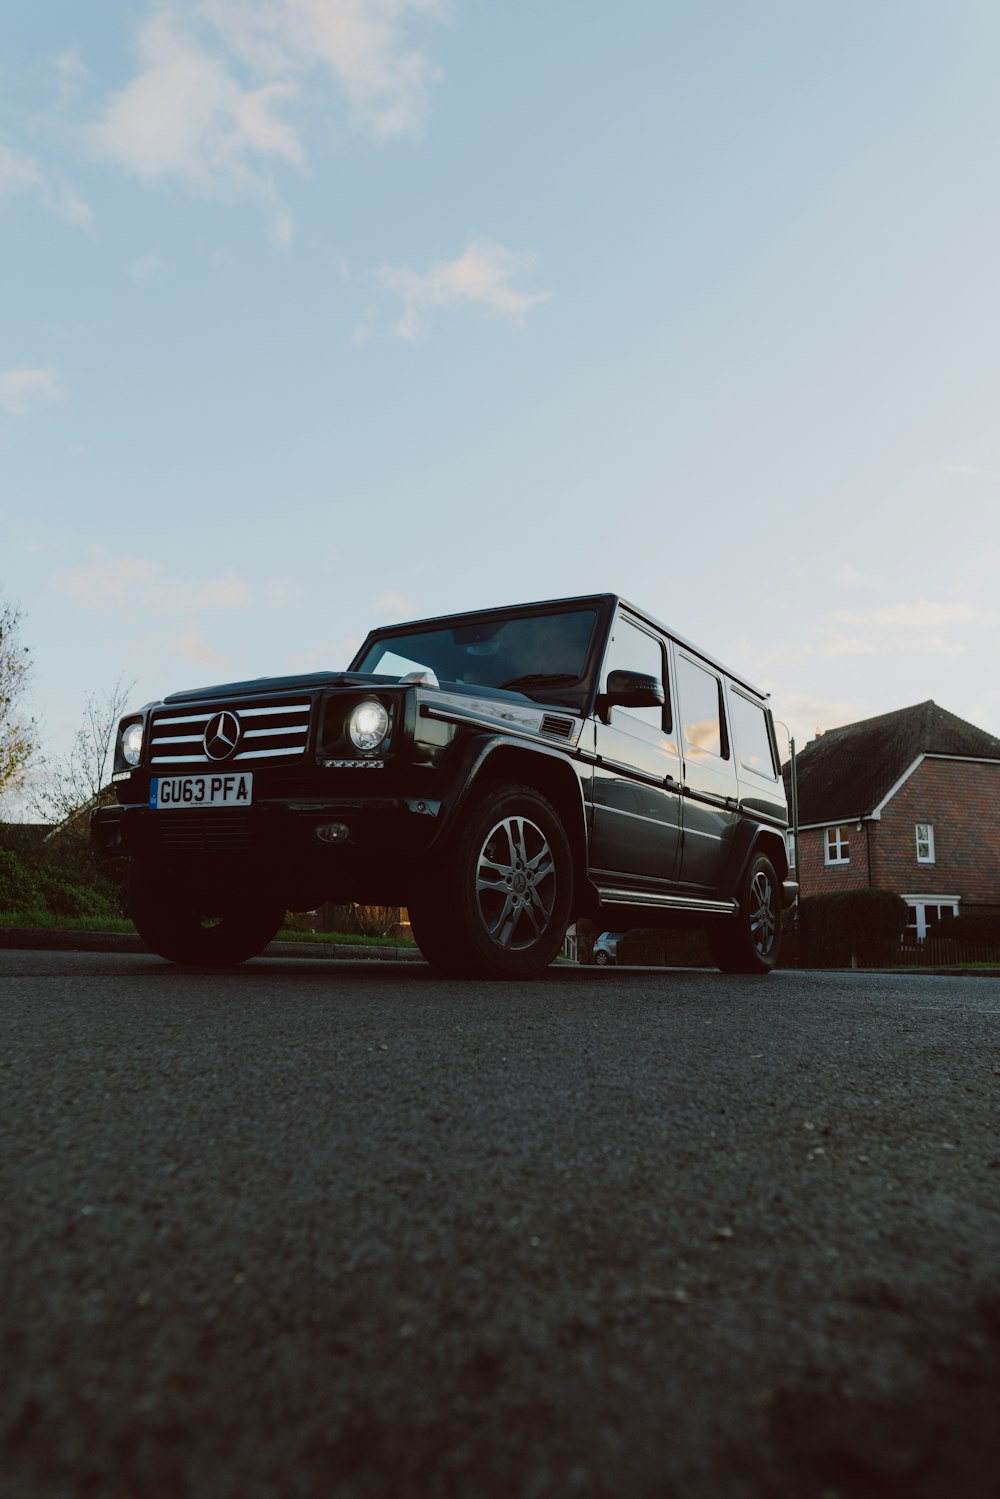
499, 773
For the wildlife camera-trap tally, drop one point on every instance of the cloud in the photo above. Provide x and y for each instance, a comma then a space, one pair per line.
193, 647
918, 616
185, 116
359, 42
393, 606
331, 657
803, 715
71, 74
922, 628
481, 274
963, 470
850, 577
22, 389
132, 583
147, 268
220, 89
22, 175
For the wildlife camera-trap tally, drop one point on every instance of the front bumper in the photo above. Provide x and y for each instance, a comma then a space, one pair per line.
328, 846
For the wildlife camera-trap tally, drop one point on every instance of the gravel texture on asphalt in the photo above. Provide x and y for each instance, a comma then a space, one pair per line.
314, 1229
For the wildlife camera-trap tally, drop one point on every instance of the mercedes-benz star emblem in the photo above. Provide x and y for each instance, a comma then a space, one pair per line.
222, 735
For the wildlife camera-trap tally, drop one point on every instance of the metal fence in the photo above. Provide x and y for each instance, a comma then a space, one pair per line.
937, 953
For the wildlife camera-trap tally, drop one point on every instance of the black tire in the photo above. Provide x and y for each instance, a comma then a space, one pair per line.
751, 941
601, 959
498, 900
216, 932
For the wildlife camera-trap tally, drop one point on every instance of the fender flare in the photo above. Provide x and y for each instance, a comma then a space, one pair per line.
484, 757
751, 839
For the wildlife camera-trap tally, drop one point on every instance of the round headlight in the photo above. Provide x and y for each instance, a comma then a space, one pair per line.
132, 744
368, 725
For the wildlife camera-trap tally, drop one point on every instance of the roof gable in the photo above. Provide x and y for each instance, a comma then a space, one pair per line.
847, 772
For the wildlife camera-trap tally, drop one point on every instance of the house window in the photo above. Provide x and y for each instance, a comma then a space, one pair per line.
926, 913
925, 842
837, 849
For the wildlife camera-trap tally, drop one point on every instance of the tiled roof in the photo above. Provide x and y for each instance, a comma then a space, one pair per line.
845, 774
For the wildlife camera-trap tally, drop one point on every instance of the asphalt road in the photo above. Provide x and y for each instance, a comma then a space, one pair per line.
330, 1229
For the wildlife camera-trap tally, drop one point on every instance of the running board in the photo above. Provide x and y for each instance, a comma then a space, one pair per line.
613, 897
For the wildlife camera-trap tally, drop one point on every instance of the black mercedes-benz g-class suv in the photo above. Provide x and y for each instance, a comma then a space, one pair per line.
497, 773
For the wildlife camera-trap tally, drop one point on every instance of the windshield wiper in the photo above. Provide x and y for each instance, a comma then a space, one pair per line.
540, 679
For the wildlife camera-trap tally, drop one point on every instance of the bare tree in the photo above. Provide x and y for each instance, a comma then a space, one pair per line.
74, 781
17, 735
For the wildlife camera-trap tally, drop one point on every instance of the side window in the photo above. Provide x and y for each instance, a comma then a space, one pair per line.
753, 742
633, 649
700, 693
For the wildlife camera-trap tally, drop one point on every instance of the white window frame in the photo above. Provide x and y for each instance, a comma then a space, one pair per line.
841, 840
920, 904
928, 841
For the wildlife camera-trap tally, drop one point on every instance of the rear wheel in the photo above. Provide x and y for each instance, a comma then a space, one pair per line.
751, 941
217, 931
498, 900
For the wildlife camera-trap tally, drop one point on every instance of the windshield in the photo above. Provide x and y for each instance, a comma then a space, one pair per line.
525, 654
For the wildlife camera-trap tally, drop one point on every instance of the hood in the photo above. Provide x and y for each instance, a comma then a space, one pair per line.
259, 686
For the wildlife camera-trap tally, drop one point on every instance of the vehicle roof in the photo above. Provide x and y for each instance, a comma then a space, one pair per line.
610, 601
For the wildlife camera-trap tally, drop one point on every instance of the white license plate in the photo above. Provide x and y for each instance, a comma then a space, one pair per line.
168, 792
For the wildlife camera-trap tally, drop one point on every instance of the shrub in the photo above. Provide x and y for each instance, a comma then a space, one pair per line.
19, 890
667, 947
866, 925
65, 896
59, 877
972, 926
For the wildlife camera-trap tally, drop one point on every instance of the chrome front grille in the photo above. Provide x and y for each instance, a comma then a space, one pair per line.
268, 731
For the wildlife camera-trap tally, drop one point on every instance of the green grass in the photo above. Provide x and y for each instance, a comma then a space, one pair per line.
352, 939
45, 921
936, 968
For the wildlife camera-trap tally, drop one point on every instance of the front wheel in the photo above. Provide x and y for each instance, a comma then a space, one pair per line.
218, 931
751, 941
498, 900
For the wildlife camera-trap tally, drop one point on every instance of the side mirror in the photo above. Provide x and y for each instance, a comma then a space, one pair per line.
633, 689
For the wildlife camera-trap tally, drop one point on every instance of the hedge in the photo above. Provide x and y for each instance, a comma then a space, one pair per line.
864, 925
59, 877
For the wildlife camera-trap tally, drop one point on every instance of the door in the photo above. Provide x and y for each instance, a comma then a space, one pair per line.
637, 785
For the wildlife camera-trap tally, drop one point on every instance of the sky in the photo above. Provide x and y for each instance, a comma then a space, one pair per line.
324, 314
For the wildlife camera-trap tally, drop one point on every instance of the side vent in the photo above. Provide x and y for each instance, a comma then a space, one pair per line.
560, 728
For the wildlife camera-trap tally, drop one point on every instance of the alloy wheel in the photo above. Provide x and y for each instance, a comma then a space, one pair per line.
763, 914
516, 883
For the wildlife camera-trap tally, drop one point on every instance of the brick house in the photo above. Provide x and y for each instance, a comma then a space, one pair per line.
909, 802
